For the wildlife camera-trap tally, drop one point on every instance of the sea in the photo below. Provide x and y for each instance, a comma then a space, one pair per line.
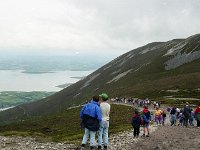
17, 80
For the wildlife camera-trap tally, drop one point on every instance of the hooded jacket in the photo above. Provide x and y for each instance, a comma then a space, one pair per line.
146, 115
91, 116
136, 121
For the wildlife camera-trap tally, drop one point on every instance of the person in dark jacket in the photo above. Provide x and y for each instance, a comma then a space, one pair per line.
136, 122
91, 119
173, 116
186, 113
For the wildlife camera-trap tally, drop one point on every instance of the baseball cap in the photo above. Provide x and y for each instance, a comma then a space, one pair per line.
104, 96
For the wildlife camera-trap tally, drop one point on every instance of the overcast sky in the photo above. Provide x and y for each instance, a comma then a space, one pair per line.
110, 27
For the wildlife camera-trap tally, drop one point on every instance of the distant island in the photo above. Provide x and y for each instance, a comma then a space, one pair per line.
37, 72
64, 85
79, 77
68, 84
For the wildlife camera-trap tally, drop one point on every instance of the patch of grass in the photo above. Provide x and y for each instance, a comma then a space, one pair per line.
65, 126
14, 98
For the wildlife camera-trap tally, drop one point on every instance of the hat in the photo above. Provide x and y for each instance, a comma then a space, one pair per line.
104, 96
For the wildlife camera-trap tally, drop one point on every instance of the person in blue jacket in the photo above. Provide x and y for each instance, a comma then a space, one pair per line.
91, 119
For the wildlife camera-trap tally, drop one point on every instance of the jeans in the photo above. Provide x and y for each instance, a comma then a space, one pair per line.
103, 133
163, 120
86, 136
198, 123
186, 121
173, 119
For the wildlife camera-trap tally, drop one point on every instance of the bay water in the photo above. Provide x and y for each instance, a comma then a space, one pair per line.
16, 80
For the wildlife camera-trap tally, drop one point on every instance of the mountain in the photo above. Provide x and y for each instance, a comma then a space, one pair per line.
148, 71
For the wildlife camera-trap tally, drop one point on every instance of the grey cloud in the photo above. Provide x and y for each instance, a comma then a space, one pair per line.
113, 26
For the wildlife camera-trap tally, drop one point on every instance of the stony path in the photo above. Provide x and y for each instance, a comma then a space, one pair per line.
26, 143
171, 138
125, 139
163, 138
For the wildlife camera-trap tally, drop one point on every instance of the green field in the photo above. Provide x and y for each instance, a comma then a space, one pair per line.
14, 98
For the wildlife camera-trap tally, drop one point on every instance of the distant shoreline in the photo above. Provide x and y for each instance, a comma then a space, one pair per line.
6, 108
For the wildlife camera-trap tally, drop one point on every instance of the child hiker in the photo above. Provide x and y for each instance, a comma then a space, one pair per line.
136, 122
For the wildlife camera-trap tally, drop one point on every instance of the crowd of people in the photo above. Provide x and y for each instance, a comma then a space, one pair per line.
132, 101
185, 116
95, 117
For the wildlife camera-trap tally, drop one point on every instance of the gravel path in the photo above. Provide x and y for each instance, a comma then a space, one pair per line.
26, 143
163, 138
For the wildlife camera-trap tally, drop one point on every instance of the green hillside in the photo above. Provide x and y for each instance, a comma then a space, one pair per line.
148, 71
65, 126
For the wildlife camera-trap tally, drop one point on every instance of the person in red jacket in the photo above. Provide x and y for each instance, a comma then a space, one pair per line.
197, 115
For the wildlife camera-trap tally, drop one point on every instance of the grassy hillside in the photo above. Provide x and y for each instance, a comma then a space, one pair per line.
65, 126
148, 71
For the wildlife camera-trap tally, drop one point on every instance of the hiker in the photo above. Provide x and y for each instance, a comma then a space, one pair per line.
186, 113
197, 115
181, 118
177, 114
91, 119
136, 122
191, 119
158, 116
173, 116
164, 116
146, 117
103, 130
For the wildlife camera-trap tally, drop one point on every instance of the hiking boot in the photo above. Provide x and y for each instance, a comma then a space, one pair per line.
99, 147
91, 147
143, 135
105, 147
147, 135
82, 147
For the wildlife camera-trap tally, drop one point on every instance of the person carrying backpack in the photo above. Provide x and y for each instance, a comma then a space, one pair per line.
146, 118
136, 122
91, 119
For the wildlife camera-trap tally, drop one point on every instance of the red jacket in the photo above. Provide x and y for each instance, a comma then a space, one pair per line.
197, 110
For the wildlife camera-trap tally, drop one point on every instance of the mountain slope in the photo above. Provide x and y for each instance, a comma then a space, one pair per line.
142, 72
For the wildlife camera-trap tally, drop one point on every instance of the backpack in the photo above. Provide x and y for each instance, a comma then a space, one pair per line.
187, 111
142, 121
147, 115
136, 121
